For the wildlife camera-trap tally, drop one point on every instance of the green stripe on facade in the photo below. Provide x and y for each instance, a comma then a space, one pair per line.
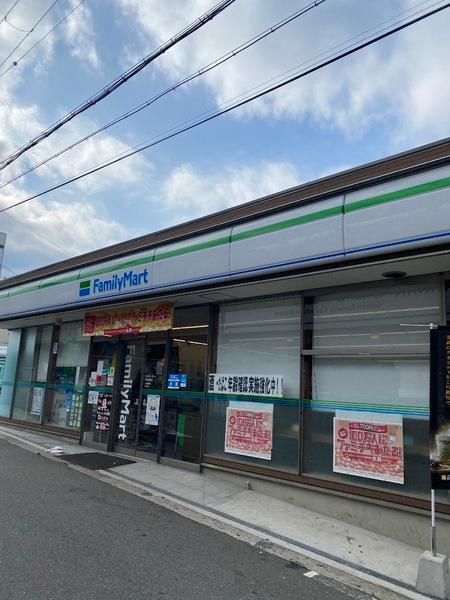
316, 216
415, 190
193, 248
32, 288
125, 265
366, 404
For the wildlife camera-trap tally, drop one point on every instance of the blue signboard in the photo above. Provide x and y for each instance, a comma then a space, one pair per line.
177, 381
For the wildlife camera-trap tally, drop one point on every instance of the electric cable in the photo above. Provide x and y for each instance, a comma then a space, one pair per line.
16, 62
36, 233
3, 266
236, 105
209, 67
29, 32
15, 26
9, 10
119, 81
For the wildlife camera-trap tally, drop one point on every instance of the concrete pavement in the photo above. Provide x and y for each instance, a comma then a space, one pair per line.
355, 551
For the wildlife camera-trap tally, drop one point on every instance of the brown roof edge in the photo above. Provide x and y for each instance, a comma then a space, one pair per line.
397, 165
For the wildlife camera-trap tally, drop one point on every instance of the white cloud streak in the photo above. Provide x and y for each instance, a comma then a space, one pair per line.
398, 82
188, 193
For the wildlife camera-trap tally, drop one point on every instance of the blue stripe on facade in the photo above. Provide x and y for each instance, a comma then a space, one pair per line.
243, 271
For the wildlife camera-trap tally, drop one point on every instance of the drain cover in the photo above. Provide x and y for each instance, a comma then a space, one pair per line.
96, 460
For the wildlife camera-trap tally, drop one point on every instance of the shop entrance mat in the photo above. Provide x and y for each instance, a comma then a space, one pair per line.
95, 460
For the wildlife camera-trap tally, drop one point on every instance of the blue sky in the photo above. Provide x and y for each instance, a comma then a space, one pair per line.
385, 99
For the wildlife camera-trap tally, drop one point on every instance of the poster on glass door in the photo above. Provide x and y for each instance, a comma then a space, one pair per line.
440, 408
152, 409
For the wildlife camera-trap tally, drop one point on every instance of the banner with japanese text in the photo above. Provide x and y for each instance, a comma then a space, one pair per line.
248, 385
132, 320
249, 432
372, 449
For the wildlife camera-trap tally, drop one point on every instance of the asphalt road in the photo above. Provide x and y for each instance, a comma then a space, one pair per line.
65, 535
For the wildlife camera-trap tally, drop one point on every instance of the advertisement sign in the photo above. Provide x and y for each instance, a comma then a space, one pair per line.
372, 449
38, 398
132, 320
152, 409
249, 432
177, 381
103, 419
248, 385
440, 408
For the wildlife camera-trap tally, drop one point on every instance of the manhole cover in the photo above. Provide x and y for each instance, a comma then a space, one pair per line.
96, 460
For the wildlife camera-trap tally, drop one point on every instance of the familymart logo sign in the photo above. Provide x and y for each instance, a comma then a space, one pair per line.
114, 283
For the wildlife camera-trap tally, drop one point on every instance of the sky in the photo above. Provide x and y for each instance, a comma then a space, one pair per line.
390, 97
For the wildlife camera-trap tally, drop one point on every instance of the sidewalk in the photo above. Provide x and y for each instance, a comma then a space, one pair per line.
361, 553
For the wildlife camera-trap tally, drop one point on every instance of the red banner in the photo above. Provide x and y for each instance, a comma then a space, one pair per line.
132, 320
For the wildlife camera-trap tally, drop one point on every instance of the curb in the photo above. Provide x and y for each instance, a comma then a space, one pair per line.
266, 540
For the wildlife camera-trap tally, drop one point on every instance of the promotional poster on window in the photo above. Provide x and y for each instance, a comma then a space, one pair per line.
371, 449
440, 408
249, 431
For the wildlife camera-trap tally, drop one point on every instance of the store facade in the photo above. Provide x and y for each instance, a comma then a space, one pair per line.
286, 340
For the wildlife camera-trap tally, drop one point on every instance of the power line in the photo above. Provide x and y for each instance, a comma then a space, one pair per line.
36, 233
209, 67
29, 32
9, 10
119, 81
16, 62
3, 266
236, 105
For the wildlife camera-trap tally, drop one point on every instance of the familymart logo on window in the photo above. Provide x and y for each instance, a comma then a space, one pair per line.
114, 283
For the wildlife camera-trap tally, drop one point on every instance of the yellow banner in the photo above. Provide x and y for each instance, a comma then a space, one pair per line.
132, 320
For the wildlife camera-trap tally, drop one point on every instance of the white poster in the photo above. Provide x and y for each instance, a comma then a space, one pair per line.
247, 385
92, 397
152, 411
38, 398
93, 379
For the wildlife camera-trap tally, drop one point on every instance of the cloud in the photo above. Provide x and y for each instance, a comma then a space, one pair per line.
398, 82
80, 35
75, 227
187, 193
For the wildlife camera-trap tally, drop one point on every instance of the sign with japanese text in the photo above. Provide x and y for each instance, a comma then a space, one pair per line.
249, 385
132, 320
249, 432
103, 418
372, 449
440, 408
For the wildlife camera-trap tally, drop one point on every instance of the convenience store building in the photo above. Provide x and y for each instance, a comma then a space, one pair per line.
285, 340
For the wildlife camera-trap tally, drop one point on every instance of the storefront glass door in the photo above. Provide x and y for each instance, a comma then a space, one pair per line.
101, 374
182, 425
139, 394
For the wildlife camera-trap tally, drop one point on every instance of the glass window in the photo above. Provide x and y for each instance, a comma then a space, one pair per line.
367, 357
182, 423
257, 339
64, 404
31, 376
9, 374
